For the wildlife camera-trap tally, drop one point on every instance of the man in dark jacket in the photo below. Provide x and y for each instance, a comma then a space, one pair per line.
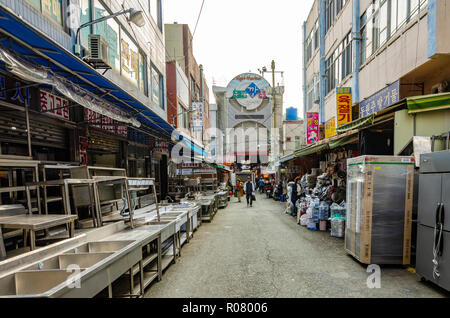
249, 189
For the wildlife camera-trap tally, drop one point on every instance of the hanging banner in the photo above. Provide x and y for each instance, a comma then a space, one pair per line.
312, 128
330, 128
83, 151
381, 100
344, 105
197, 117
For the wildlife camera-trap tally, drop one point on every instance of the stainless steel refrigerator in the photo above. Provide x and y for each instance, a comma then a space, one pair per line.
433, 227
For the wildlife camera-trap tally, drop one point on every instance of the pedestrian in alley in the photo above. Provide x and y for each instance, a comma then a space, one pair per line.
238, 190
294, 194
249, 189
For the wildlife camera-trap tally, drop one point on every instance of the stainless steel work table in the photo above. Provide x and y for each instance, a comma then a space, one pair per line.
33, 223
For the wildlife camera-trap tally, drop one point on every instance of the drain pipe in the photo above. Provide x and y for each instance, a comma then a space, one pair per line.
356, 37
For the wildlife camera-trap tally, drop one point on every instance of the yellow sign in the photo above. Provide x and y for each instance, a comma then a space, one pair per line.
343, 105
330, 128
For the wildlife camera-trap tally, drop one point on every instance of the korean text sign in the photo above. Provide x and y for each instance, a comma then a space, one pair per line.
312, 128
381, 100
330, 128
344, 105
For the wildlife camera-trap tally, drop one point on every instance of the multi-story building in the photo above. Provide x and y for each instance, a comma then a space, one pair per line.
246, 107
179, 50
98, 98
294, 136
384, 51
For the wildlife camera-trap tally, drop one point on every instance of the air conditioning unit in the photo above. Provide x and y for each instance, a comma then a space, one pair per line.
98, 52
442, 87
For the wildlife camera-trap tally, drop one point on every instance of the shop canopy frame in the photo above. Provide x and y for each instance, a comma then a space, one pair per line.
329, 143
34, 47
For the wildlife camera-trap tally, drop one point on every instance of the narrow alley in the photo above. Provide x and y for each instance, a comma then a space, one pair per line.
261, 252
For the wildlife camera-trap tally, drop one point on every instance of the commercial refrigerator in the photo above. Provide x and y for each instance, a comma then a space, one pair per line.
379, 209
433, 229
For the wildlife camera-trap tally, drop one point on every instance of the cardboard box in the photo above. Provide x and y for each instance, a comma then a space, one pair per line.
379, 209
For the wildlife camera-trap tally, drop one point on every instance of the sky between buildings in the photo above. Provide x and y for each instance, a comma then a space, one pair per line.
237, 36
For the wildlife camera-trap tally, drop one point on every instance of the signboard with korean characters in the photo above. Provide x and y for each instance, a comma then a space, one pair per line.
383, 99
17, 93
54, 105
330, 128
249, 90
105, 123
197, 117
312, 128
343, 106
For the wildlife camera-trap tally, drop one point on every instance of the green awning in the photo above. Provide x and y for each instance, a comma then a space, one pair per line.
428, 103
343, 141
310, 150
356, 124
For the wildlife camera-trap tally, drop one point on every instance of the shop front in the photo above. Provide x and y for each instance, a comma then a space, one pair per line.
35, 123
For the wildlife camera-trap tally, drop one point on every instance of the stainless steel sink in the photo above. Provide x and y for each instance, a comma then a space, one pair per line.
28, 283
82, 260
100, 247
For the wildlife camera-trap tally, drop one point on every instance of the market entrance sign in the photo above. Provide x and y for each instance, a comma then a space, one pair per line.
383, 99
249, 90
344, 105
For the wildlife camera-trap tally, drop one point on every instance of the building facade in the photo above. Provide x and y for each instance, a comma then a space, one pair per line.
96, 99
294, 136
246, 110
179, 50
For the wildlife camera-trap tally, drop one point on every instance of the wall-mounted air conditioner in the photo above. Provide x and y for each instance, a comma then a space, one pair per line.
98, 52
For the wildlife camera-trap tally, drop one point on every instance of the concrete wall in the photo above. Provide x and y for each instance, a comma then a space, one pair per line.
427, 124
292, 129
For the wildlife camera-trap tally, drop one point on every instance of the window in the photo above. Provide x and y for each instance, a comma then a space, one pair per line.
340, 63
130, 58
155, 12
109, 30
288, 139
312, 92
312, 42
347, 61
183, 117
383, 19
52, 9
85, 16
332, 9
143, 74
297, 142
157, 88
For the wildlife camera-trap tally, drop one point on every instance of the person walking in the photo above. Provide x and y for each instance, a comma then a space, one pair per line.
249, 189
261, 185
238, 190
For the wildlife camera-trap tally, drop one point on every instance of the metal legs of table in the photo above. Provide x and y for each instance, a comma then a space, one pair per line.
2, 246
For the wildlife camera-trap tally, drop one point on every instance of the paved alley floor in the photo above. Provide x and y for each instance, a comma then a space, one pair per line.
262, 252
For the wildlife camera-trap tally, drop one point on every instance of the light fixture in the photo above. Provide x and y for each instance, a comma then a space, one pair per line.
137, 17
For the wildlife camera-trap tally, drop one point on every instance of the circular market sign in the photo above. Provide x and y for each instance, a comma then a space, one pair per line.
249, 90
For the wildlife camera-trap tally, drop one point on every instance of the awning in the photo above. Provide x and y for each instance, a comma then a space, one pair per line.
359, 123
36, 48
426, 103
329, 143
287, 158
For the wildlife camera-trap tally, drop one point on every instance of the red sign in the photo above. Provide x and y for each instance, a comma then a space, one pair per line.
103, 122
83, 151
54, 105
162, 147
